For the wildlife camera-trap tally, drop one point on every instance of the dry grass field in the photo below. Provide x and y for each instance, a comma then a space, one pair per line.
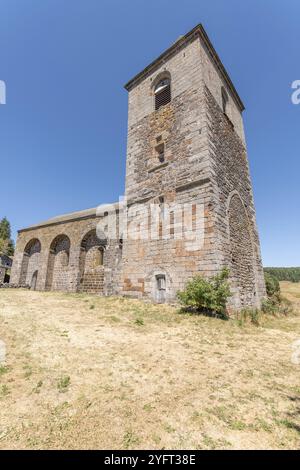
90, 372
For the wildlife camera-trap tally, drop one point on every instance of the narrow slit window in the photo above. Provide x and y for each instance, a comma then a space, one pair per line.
161, 202
160, 151
101, 256
224, 100
162, 93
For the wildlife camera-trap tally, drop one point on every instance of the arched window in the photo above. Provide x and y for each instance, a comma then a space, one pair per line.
33, 246
224, 99
61, 246
162, 93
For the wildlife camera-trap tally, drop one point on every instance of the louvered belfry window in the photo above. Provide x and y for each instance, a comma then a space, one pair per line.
162, 93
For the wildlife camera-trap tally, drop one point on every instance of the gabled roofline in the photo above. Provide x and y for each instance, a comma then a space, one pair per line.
201, 33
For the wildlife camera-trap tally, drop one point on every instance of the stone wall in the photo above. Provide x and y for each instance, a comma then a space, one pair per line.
213, 80
2, 274
185, 69
205, 164
55, 252
183, 178
234, 209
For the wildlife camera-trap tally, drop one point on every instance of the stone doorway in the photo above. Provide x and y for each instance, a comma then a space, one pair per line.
160, 288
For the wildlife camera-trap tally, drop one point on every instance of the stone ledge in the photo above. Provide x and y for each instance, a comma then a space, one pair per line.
158, 167
192, 184
7, 285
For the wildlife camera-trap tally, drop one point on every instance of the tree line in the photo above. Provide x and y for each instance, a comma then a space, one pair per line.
285, 274
6, 242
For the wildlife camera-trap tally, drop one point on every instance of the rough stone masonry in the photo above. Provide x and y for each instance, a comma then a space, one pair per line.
186, 148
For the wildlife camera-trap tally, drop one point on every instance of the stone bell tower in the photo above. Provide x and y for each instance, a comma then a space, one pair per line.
186, 147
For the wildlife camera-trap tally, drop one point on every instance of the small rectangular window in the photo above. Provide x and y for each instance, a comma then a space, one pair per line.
161, 282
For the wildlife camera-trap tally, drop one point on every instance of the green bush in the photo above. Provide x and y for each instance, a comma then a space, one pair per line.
286, 307
272, 285
277, 306
252, 315
207, 295
269, 305
274, 304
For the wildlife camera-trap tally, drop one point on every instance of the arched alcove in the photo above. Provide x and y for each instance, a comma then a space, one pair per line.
58, 263
91, 262
30, 261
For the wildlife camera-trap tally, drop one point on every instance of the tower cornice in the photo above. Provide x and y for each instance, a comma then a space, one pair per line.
199, 32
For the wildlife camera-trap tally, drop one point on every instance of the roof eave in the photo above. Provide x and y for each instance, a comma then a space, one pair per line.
72, 217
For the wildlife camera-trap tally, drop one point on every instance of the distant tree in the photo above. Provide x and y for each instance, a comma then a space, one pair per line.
5, 231
285, 274
6, 243
272, 285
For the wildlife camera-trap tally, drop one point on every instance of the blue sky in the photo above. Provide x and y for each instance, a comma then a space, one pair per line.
63, 129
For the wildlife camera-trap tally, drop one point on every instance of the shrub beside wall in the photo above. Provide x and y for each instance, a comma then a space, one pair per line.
274, 303
210, 296
207, 295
